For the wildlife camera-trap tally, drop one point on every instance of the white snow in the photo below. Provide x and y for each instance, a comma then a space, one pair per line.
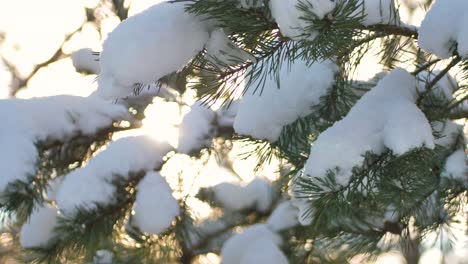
385, 117
39, 230
258, 194
196, 129
86, 60
444, 88
448, 131
137, 6
379, 12
155, 207
456, 166
120, 158
283, 217
26, 122
444, 28
263, 251
221, 49
237, 247
263, 116
287, 16
250, 3
227, 114
147, 46
103, 256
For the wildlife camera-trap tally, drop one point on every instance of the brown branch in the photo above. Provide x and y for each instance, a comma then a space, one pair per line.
425, 67
19, 83
393, 30
433, 82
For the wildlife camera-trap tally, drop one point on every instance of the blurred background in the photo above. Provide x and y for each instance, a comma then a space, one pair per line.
37, 40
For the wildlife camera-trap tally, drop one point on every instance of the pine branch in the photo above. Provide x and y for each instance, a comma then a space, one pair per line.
389, 29
22, 82
436, 79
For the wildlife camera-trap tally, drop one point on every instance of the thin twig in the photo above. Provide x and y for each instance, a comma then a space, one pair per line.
22, 82
438, 77
425, 67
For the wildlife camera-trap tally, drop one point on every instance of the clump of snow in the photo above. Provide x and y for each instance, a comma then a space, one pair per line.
148, 46
196, 129
103, 256
379, 12
26, 122
284, 216
86, 60
237, 247
137, 6
288, 16
448, 132
456, 166
263, 251
444, 28
39, 230
227, 114
250, 3
444, 88
155, 207
263, 115
221, 49
291, 23
385, 117
119, 159
258, 194
302, 204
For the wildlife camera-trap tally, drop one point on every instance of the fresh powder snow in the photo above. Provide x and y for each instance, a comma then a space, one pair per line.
147, 46
120, 159
235, 248
456, 166
258, 195
444, 29
155, 208
38, 231
264, 115
27, 122
385, 117
196, 129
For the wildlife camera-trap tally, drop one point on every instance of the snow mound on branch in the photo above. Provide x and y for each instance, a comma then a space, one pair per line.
258, 194
93, 183
246, 4
137, 6
287, 15
227, 114
264, 115
444, 88
263, 251
155, 207
455, 165
39, 230
385, 117
196, 129
445, 28
238, 247
147, 46
26, 122
284, 216
86, 60
379, 12
448, 131
222, 50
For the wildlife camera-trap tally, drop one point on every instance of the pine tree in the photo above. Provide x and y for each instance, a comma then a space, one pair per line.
363, 167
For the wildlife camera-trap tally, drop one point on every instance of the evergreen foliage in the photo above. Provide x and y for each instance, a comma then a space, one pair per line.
392, 201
